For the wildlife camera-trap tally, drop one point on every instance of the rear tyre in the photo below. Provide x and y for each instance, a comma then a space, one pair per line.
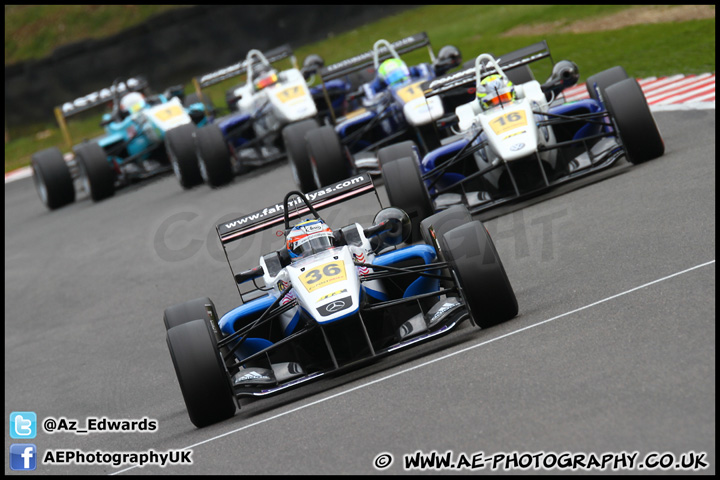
398, 150
406, 190
481, 277
328, 159
95, 169
213, 156
52, 178
180, 147
600, 81
201, 373
443, 222
296, 147
520, 75
635, 123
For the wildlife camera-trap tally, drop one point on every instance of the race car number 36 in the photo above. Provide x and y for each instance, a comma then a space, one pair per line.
323, 275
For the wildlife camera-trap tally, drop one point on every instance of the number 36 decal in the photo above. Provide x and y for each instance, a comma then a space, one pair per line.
323, 275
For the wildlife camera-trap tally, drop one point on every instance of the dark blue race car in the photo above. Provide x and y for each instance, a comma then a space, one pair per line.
391, 108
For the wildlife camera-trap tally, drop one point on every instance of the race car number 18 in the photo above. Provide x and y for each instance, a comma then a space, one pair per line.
323, 275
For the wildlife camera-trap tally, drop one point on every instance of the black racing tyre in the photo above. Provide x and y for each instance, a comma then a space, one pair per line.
52, 178
406, 190
636, 125
179, 314
603, 80
296, 147
443, 222
328, 159
201, 373
180, 147
484, 285
407, 148
203, 308
95, 170
213, 156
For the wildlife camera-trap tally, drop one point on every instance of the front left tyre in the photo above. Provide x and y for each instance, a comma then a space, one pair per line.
634, 122
481, 277
213, 156
201, 373
180, 148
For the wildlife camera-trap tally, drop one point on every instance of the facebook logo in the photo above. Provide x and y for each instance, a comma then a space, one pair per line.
23, 456
23, 425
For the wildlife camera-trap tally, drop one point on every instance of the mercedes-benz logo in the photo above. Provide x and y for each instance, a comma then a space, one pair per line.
335, 306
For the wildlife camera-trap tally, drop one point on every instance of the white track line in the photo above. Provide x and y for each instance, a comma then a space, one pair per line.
425, 364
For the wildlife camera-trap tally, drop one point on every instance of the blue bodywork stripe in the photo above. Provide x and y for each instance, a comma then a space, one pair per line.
227, 322
426, 253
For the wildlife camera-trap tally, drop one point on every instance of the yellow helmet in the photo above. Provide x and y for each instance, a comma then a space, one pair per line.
495, 90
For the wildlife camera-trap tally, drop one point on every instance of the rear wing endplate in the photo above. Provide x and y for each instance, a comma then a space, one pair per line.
463, 78
274, 214
236, 69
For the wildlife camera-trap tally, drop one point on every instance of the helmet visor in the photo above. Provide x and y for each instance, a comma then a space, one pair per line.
506, 97
305, 245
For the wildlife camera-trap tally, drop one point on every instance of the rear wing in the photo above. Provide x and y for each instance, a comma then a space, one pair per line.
463, 78
274, 214
364, 60
94, 99
236, 69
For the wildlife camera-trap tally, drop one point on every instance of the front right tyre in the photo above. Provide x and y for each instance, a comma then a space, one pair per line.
52, 178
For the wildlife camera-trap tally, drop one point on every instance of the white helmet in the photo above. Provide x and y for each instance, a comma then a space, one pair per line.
133, 102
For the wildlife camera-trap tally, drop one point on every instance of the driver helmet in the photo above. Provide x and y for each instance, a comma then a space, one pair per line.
393, 71
309, 237
495, 90
132, 103
265, 78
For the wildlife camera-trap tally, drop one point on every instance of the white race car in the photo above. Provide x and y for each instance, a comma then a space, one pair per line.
520, 139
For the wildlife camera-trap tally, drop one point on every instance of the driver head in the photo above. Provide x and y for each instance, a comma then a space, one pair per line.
133, 102
393, 71
309, 237
495, 90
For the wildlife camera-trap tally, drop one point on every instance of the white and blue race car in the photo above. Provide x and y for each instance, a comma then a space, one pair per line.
329, 300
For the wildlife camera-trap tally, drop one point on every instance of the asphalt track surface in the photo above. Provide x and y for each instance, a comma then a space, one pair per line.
613, 350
